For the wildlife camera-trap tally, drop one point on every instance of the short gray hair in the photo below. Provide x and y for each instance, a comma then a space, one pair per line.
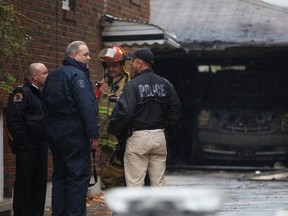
73, 47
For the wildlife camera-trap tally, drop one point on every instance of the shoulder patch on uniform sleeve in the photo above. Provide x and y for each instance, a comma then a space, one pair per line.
81, 83
18, 97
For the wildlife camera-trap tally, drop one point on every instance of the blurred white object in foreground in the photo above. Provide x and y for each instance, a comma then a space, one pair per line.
163, 200
283, 212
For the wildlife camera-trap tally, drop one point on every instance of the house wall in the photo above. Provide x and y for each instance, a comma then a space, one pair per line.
52, 29
1, 153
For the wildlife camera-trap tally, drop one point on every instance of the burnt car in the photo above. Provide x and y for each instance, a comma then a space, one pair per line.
242, 116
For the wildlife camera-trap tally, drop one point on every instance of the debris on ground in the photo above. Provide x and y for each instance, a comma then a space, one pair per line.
278, 175
95, 198
96, 205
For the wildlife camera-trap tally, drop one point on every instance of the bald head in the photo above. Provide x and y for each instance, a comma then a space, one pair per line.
37, 74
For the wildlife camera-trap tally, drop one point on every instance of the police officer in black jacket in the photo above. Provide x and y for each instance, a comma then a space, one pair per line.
148, 105
26, 121
72, 130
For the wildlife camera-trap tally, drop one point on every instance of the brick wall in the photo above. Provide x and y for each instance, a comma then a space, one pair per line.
52, 29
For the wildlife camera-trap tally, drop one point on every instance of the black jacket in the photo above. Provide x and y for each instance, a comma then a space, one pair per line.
26, 115
148, 101
69, 95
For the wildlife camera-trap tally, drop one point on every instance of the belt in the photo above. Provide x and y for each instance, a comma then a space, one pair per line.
143, 129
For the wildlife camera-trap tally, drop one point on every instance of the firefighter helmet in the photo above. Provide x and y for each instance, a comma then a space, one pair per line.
112, 54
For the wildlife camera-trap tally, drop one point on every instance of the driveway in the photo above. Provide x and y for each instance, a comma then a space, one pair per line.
249, 193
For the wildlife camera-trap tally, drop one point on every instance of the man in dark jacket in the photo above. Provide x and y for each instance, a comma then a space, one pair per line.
26, 121
147, 105
72, 130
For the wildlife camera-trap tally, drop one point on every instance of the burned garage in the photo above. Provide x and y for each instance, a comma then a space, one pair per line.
231, 74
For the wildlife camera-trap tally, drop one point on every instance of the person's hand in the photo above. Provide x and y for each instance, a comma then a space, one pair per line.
94, 143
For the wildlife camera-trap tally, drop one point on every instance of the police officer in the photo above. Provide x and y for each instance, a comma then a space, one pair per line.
147, 105
72, 130
26, 121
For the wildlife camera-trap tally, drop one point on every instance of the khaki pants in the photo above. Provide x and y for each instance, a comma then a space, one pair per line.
145, 152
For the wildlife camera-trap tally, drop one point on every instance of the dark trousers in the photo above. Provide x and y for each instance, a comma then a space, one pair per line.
71, 169
30, 182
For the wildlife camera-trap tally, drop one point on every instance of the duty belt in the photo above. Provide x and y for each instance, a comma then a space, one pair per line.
150, 128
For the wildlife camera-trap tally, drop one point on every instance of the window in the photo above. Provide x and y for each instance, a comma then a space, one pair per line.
68, 5
65, 5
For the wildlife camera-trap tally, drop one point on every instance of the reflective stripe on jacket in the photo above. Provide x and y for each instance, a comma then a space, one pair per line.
106, 102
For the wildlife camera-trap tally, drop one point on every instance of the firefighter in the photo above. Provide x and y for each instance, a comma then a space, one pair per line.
115, 77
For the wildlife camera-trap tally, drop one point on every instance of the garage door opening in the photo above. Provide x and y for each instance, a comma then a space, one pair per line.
234, 106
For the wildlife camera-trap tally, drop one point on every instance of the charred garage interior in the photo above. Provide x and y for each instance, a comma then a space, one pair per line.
234, 104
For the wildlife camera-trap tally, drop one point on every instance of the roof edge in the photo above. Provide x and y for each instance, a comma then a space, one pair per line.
112, 37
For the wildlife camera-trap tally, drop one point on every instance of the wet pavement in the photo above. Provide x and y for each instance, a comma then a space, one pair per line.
243, 196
